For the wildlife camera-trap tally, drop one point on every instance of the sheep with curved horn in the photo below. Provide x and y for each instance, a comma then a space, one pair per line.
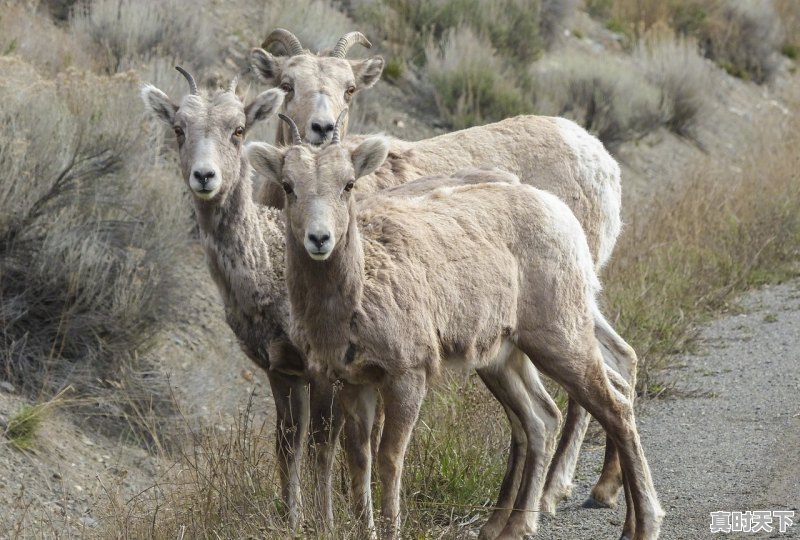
317, 86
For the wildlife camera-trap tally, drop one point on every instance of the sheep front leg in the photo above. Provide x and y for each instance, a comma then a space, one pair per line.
402, 397
359, 406
326, 421
291, 409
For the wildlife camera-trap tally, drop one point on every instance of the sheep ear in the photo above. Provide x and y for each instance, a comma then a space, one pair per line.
267, 67
159, 104
367, 72
369, 155
263, 106
266, 160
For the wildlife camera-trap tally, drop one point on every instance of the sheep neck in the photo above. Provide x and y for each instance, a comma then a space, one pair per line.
325, 295
244, 246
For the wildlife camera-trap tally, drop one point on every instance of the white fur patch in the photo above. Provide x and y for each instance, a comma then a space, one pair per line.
596, 165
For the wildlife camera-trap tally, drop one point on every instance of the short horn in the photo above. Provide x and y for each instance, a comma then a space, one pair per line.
337, 128
293, 128
189, 79
287, 39
347, 41
235, 80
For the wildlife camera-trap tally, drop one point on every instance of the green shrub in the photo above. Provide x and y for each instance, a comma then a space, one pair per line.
471, 83
609, 99
676, 68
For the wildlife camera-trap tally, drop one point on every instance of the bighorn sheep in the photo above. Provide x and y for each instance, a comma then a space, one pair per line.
550, 153
317, 87
243, 243
385, 292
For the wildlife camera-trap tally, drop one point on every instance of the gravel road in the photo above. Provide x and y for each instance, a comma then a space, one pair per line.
736, 448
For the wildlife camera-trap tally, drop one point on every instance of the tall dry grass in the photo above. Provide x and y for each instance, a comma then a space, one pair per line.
686, 252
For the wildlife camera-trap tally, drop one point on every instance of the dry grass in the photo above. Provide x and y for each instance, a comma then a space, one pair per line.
224, 484
691, 248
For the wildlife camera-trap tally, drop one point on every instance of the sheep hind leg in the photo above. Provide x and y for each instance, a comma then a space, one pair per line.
514, 466
524, 394
621, 361
586, 379
558, 485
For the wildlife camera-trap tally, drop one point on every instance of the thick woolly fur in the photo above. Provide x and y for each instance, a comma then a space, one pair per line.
553, 154
466, 275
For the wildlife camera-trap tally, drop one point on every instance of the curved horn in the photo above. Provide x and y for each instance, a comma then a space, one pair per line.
235, 80
285, 38
347, 41
336, 136
189, 79
293, 128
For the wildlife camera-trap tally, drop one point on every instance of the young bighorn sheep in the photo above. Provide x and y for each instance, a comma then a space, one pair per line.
549, 153
384, 293
554, 154
243, 243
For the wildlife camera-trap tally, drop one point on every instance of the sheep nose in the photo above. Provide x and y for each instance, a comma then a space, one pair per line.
322, 129
203, 176
319, 240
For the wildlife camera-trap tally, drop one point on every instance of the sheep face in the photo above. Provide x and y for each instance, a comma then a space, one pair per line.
317, 88
210, 133
318, 183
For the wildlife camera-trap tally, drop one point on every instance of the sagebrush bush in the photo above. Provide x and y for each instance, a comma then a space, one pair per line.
681, 75
472, 85
90, 237
129, 32
518, 30
609, 99
789, 15
35, 38
743, 37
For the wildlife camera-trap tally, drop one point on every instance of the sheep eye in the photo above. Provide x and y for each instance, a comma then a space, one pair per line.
287, 188
286, 87
178, 131
239, 132
350, 91
349, 186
